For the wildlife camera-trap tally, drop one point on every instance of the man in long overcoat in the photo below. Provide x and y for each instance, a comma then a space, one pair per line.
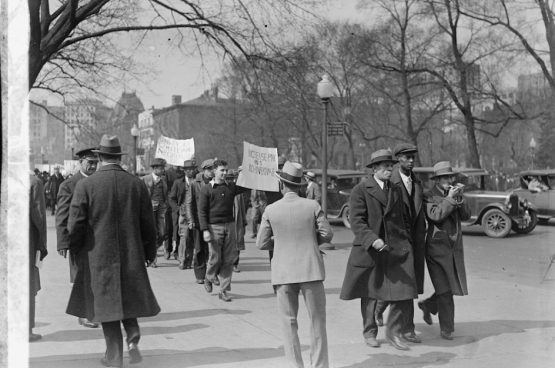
413, 194
52, 188
381, 264
112, 234
88, 162
445, 208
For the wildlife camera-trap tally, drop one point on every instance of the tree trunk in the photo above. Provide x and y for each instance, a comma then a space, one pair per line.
35, 64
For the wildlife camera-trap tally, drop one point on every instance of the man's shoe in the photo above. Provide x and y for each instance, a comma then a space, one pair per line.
182, 266
397, 343
223, 296
446, 335
105, 363
167, 255
426, 315
200, 281
216, 281
236, 269
379, 319
86, 323
412, 337
34, 337
175, 256
135, 354
372, 342
153, 265
208, 286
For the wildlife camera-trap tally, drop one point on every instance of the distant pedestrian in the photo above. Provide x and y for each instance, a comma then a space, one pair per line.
52, 188
313, 189
112, 234
294, 227
215, 212
170, 243
88, 161
445, 209
183, 245
258, 202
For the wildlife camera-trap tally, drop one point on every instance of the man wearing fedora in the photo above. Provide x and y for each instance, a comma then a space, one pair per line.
413, 194
178, 194
158, 190
381, 264
445, 208
200, 253
294, 227
88, 162
113, 237
312, 188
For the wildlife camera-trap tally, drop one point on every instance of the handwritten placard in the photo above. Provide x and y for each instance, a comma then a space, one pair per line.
175, 151
259, 168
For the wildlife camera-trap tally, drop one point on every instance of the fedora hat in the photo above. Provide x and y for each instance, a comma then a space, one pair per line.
189, 164
109, 145
404, 148
443, 168
86, 153
310, 175
292, 173
381, 156
158, 162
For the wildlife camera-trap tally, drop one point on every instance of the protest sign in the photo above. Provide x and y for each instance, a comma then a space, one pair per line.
175, 151
259, 168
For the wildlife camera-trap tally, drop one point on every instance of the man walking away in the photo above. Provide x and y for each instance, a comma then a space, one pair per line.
294, 227
313, 189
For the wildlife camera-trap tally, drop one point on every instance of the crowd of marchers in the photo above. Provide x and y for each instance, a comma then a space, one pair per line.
111, 223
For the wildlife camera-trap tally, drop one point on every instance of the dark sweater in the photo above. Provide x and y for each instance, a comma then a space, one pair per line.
216, 203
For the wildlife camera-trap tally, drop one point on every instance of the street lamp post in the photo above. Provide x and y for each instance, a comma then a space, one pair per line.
533, 147
42, 156
135, 133
325, 91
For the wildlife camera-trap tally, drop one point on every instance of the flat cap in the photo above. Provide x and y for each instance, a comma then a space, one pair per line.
404, 148
207, 164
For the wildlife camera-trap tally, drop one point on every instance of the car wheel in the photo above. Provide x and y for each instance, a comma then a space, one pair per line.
496, 224
345, 217
531, 225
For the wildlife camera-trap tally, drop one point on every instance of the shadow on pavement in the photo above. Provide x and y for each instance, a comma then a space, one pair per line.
248, 267
261, 296
95, 334
392, 360
191, 314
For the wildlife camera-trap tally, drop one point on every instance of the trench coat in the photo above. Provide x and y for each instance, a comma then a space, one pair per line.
65, 194
240, 217
387, 275
417, 223
444, 244
37, 231
112, 234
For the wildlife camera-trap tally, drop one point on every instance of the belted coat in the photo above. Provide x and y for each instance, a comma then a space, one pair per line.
387, 275
416, 223
112, 234
444, 243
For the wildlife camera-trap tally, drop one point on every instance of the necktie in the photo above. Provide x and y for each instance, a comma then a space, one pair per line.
386, 188
409, 185
157, 180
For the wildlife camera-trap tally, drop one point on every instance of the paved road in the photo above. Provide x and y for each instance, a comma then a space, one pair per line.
508, 320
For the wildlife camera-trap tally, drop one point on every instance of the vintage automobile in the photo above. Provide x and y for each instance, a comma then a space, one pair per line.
497, 212
340, 184
542, 195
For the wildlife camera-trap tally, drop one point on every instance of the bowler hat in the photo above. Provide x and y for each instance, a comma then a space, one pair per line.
310, 175
442, 168
189, 164
292, 173
86, 153
158, 162
380, 156
404, 148
206, 164
109, 145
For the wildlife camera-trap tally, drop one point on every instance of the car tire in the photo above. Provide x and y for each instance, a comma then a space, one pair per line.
345, 217
496, 223
525, 230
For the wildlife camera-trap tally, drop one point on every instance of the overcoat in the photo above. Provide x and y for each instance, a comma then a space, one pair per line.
387, 275
314, 192
416, 224
193, 198
444, 244
37, 231
65, 194
240, 216
112, 234
53, 186
177, 197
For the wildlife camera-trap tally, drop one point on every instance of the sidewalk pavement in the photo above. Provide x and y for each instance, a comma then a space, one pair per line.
500, 324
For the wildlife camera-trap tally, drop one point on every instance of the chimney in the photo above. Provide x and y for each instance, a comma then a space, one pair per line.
176, 99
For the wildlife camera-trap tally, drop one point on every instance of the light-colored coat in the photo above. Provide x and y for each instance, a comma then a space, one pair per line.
298, 227
314, 192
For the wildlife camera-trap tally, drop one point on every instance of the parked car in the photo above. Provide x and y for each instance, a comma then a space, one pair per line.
497, 212
542, 197
340, 183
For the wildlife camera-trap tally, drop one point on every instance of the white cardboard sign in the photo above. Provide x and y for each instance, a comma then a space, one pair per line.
175, 151
259, 168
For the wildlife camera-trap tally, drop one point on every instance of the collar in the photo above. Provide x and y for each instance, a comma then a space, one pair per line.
155, 177
405, 177
442, 191
109, 163
82, 173
213, 182
380, 182
309, 184
292, 193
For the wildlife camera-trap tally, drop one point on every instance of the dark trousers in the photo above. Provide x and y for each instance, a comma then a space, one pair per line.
444, 306
168, 245
395, 321
409, 320
186, 248
32, 298
236, 263
200, 254
114, 338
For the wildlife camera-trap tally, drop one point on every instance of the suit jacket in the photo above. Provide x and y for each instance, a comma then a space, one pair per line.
416, 216
444, 244
193, 198
37, 231
389, 274
298, 227
314, 192
149, 181
112, 234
